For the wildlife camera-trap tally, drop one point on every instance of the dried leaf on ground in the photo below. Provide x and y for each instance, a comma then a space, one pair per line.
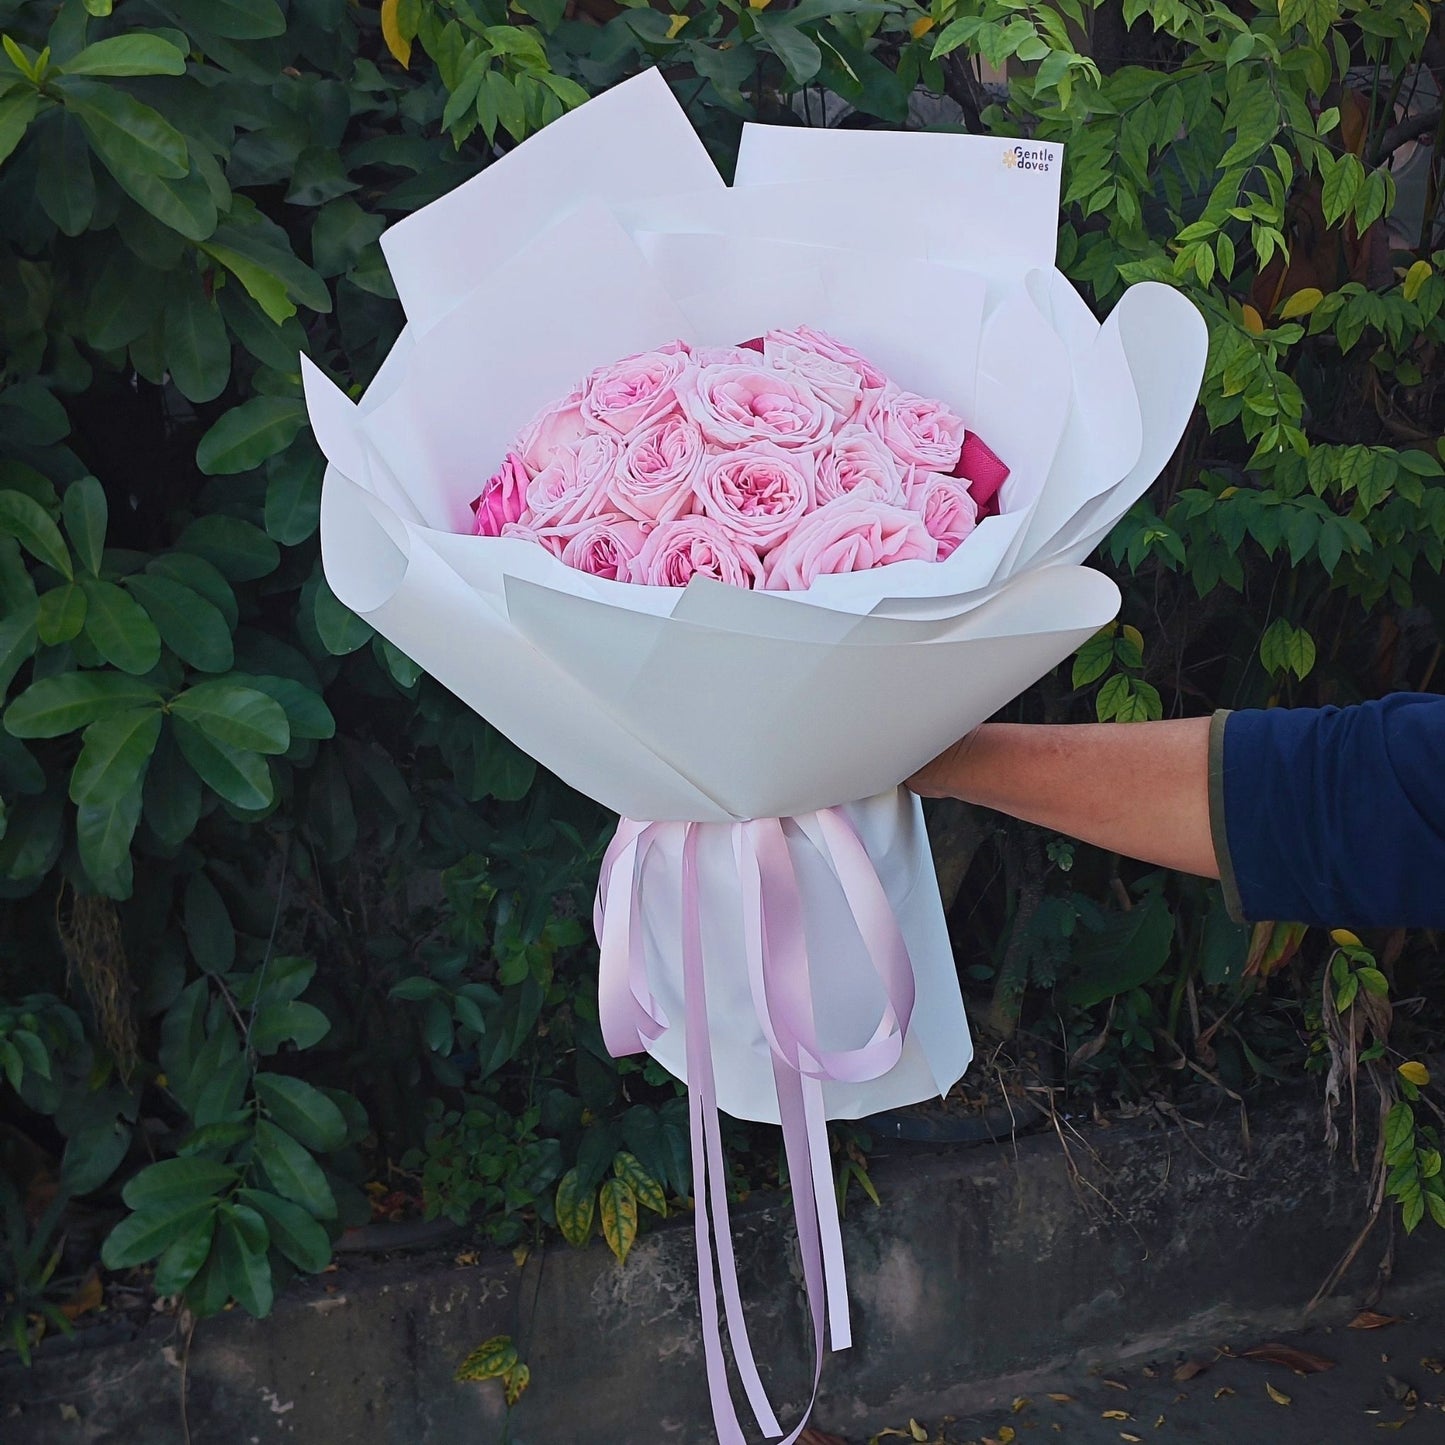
1222, 1391
1020, 1404
88, 1296
1278, 1396
1373, 1320
1302, 1362
1061, 1399
1135, 1439
1190, 1368
1116, 1415
1113, 1384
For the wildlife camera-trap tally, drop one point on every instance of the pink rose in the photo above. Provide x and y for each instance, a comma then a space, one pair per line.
655, 474
552, 430
948, 510
757, 493
503, 499
839, 382
847, 535
605, 547
567, 489
919, 432
725, 356
636, 390
752, 402
819, 343
676, 552
552, 538
858, 463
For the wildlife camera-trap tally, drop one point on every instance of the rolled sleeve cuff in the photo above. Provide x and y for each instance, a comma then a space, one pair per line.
1219, 834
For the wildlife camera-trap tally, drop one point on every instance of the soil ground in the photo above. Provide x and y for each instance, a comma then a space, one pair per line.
1359, 1385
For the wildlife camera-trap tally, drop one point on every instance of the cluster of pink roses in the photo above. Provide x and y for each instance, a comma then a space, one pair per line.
765, 465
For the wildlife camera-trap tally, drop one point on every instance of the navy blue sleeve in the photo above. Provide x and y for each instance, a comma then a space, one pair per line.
1336, 816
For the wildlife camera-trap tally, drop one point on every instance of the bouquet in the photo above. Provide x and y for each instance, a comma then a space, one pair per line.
768, 919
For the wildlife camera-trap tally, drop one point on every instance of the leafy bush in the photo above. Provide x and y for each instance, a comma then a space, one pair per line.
279, 910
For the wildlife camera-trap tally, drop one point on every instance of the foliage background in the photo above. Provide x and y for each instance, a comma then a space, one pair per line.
290, 939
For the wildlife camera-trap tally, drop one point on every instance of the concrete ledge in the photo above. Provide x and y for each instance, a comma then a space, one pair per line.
983, 1265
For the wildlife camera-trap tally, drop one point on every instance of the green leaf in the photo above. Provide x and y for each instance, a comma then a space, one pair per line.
177, 1181
1285, 648
241, 778
648, 1191
184, 1257
232, 19
130, 138
210, 934
798, 52
92, 1155
61, 614
1128, 951
302, 1110
16, 113
29, 523
65, 179
306, 711
187, 206
144, 1235
197, 345
264, 287
240, 717
490, 1360
340, 629
240, 551
294, 1173
201, 577
117, 627
103, 833
1341, 186
172, 796
246, 435
293, 1231
293, 495
241, 1243
1094, 658
617, 1205
115, 756
17, 644
133, 54
289, 1020
86, 514
576, 1209
57, 705
188, 624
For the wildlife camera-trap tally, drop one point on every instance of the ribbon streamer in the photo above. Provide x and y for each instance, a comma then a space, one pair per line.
781, 985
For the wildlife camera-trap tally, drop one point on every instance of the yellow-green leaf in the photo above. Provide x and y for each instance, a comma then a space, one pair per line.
491, 1360
515, 1382
618, 1205
1415, 1073
576, 1208
1301, 303
1253, 322
1343, 938
648, 1191
396, 42
1416, 277
1133, 635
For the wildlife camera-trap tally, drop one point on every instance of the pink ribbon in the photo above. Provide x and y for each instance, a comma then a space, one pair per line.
779, 976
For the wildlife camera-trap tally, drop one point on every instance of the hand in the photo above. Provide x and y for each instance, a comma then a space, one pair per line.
939, 779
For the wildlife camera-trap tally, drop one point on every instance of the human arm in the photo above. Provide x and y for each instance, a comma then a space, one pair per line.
1333, 816
1136, 788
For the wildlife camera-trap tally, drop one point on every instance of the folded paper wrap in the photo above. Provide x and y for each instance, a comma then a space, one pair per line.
769, 922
